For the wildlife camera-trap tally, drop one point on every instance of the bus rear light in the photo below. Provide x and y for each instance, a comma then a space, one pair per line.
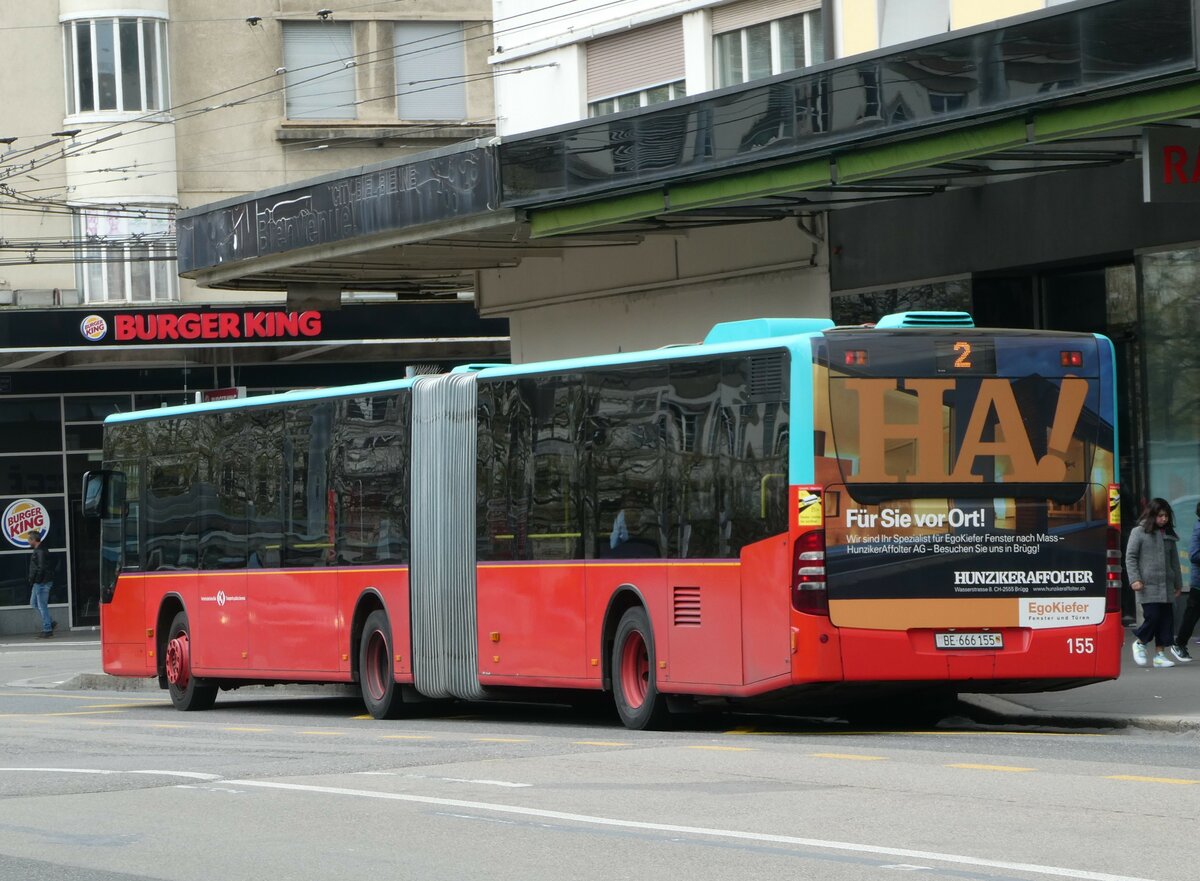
1112, 572
808, 574
1071, 359
856, 357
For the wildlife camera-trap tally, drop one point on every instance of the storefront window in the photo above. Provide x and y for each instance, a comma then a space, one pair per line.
1170, 328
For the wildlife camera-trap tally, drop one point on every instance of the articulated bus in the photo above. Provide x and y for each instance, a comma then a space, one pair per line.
793, 515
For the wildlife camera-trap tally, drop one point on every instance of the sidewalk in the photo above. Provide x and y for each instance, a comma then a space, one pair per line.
1143, 697
1159, 700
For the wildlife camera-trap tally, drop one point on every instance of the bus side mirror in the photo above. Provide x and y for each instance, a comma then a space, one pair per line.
103, 494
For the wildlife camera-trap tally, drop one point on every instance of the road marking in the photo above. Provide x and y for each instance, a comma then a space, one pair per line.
250, 730
1137, 779
501, 739
598, 743
972, 767
485, 782
81, 713
169, 725
851, 756
405, 737
325, 733
699, 831
73, 697
728, 749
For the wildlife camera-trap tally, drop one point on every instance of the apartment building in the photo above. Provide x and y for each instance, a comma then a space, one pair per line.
112, 118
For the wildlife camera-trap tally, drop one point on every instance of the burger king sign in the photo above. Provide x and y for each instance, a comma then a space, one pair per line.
22, 517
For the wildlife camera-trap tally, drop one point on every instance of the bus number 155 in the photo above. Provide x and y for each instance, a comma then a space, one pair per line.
1081, 645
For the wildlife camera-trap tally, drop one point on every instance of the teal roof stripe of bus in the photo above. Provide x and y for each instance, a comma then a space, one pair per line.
724, 338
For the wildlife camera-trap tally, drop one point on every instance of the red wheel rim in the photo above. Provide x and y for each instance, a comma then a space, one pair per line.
375, 667
635, 670
179, 661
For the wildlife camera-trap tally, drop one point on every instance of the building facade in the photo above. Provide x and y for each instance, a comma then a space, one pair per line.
112, 118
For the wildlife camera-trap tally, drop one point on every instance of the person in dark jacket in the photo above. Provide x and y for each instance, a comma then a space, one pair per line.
41, 577
1152, 561
1191, 612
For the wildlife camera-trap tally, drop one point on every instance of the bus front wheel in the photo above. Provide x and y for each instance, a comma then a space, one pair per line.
187, 693
380, 693
635, 692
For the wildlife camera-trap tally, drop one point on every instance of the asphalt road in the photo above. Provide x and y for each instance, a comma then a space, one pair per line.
101, 786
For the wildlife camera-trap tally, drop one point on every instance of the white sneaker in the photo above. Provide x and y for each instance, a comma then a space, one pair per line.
1139, 653
1180, 654
1161, 660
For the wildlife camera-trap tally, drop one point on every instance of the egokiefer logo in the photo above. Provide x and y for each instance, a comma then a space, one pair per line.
94, 328
1048, 612
24, 516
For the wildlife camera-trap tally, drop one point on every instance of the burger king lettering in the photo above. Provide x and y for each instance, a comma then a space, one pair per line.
22, 517
164, 326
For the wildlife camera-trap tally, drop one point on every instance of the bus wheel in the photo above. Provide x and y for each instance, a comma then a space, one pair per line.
187, 693
380, 692
639, 704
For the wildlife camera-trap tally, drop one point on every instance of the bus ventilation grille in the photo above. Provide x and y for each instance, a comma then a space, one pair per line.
686, 603
926, 319
766, 377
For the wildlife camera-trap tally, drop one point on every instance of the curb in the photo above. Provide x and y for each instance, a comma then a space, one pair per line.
106, 682
989, 708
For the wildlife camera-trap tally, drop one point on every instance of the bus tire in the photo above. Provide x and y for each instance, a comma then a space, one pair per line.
187, 692
639, 703
380, 693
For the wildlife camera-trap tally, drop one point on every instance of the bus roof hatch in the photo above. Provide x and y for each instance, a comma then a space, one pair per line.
763, 328
925, 319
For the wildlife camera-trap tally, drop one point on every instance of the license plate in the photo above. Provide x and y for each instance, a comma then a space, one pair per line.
969, 640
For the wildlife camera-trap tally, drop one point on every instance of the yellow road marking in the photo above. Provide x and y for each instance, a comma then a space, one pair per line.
249, 730
169, 725
70, 697
326, 733
364, 716
972, 767
730, 749
852, 756
404, 737
598, 743
1134, 777
80, 713
502, 739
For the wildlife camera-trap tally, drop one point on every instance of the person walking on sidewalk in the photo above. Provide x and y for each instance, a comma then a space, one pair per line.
41, 578
1152, 561
1191, 612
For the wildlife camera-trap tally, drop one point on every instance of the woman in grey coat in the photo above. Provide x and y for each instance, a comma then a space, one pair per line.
1152, 561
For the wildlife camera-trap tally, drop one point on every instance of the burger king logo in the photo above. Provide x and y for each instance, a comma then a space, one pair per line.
94, 328
22, 517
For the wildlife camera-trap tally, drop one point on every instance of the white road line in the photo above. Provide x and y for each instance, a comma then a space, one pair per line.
190, 775
959, 859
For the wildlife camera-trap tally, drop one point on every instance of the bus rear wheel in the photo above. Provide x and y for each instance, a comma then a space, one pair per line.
187, 693
639, 703
380, 693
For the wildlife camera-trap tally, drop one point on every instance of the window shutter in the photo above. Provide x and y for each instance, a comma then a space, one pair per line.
324, 91
635, 60
430, 70
750, 12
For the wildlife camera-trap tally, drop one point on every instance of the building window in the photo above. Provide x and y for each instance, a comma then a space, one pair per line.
430, 70
117, 64
768, 48
127, 259
634, 100
319, 78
